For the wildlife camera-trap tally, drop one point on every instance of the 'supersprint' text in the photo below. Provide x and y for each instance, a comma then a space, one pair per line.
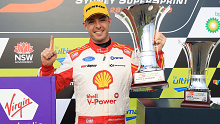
135, 1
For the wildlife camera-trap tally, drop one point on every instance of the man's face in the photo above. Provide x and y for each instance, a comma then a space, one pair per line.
98, 27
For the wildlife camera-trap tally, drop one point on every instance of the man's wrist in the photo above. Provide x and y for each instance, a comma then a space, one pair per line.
46, 67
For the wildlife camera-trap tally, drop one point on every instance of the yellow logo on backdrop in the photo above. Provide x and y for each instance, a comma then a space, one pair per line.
63, 45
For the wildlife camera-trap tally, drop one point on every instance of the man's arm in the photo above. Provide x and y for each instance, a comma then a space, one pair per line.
158, 43
160, 60
63, 74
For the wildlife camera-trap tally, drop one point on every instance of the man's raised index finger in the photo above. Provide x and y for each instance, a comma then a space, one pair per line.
51, 42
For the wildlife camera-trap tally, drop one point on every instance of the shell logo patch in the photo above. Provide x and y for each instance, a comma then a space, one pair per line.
102, 79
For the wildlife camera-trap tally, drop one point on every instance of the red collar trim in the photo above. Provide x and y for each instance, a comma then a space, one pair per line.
99, 49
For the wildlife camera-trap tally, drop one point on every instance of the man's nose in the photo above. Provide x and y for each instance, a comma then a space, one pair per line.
98, 24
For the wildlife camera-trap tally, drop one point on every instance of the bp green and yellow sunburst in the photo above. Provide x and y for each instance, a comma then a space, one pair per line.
213, 25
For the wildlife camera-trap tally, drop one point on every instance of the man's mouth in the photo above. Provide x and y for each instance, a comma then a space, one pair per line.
98, 32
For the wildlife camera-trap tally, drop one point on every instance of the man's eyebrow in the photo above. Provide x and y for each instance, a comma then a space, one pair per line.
90, 19
102, 17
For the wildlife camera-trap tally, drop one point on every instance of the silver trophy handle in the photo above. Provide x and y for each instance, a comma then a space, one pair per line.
162, 15
124, 19
211, 50
188, 57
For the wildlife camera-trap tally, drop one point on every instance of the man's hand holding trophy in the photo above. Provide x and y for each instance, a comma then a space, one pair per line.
143, 22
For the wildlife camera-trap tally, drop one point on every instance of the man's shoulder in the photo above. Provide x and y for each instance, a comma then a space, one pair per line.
127, 50
77, 51
122, 46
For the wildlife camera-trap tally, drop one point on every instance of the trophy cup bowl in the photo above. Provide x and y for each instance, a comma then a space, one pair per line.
142, 20
198, 56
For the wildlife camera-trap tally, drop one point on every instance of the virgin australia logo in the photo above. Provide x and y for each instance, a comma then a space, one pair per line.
89, 58
17, 105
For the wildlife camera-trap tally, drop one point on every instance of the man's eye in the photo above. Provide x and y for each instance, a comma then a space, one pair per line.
90, 22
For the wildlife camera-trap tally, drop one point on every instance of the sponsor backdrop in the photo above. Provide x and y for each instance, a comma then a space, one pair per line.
26, 27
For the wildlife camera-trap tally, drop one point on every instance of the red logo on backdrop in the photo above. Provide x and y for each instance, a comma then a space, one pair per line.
14, 108
30, 8
23, 48
17, 105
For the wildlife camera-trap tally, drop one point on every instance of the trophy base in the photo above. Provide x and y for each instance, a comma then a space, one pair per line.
149, 77
197, 98
195, 104
151, 86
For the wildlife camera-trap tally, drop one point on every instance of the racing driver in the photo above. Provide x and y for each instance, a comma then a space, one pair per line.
101, 70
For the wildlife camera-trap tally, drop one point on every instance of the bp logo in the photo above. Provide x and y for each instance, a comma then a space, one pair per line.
213, 25
103, 79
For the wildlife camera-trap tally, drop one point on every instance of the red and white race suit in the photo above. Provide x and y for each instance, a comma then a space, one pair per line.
102, 78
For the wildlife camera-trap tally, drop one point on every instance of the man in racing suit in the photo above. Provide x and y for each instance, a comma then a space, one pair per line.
101, 70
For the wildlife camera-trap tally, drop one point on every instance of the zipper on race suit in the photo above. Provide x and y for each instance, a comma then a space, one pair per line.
104, 57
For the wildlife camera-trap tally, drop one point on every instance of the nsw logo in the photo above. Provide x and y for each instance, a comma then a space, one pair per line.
23, 51
89, 59
17, 105
23, 48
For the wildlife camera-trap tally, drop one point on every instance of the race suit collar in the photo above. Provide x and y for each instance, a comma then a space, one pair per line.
99, 49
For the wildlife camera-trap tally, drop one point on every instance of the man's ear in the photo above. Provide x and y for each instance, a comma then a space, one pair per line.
109, 21
85, 25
